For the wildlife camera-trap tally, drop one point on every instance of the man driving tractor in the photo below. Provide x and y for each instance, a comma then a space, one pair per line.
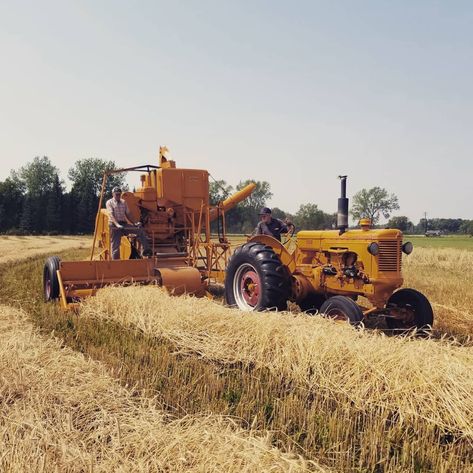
272, 226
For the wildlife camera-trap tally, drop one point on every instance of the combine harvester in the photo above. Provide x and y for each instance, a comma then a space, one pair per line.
173, 208
326, 272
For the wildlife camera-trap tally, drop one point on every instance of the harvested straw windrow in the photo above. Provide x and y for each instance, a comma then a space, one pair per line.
60, 412
401, 402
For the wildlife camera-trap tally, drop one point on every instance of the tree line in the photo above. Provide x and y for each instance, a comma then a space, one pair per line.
34, 200
444, 225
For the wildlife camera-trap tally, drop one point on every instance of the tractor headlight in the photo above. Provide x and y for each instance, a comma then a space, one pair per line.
407, 247
373, 248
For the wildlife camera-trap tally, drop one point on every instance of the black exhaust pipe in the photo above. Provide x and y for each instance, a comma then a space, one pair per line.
342, 214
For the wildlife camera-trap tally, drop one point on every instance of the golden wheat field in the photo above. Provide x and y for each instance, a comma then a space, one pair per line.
444, 275
14, 248
142, 381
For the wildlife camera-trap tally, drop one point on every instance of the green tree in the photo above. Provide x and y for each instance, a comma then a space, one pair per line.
86, 176
38, 179
68, 210
218, 191
248, 209
446, 225
54, 207
281, 214
402, 223
310, 217
467, 227
11, 203
26, 221
372, 203
38, 176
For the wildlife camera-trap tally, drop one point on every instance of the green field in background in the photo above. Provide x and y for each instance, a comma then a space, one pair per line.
464, 242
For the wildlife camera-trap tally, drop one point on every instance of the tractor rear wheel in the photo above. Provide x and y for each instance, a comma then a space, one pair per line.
50, 278
256, 279
411, 309
312, 303
342, 308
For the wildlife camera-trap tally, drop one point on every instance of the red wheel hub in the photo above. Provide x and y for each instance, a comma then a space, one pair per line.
250, 287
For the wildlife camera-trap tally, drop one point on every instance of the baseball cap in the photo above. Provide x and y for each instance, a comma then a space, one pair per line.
116, 189
265, 211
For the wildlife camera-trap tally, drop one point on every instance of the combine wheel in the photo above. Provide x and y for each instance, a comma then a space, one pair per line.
409, 309
312, 303
256, 279
342, 308
50, 279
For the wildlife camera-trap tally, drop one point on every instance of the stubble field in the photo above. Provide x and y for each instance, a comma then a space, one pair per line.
140, 381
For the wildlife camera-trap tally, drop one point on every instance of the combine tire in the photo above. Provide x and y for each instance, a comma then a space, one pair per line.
342, 308
312, 303
415, 308
256, 279
50, 279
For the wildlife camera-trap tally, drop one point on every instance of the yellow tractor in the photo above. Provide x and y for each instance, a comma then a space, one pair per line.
172, 207
327, 272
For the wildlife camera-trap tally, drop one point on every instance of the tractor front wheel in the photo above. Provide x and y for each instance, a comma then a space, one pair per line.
50, 278
256, 279
342, 308
312, 303
408, 309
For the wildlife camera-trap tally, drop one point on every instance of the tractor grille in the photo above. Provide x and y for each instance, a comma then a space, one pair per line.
389, 255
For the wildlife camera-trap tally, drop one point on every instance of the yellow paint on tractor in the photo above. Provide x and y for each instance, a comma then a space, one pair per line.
378, 275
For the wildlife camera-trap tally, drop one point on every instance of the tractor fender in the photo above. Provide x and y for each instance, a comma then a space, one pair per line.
287, 259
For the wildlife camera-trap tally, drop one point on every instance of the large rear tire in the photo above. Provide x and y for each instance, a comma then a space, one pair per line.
50, 278
412, 308
342, 308
256, 279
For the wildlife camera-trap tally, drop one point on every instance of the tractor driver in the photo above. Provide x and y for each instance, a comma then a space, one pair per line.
120, 224
271, 226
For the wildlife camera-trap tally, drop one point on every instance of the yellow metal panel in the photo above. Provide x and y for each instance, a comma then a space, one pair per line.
188, 187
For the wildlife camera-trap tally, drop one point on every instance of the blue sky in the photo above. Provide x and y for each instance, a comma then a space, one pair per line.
294, 93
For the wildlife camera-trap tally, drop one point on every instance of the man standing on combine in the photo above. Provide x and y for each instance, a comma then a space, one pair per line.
271, 226
120, 224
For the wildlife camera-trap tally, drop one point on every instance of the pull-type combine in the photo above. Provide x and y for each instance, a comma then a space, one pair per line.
327, 271
172, 206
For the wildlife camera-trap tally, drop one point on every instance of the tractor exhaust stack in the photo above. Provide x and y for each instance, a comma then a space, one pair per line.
342, 214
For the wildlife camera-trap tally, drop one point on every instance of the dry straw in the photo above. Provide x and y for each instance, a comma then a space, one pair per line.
62, 413
401, 402
16, 248
445, 276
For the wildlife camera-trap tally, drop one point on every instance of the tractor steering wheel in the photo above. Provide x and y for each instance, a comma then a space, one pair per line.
289, 235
